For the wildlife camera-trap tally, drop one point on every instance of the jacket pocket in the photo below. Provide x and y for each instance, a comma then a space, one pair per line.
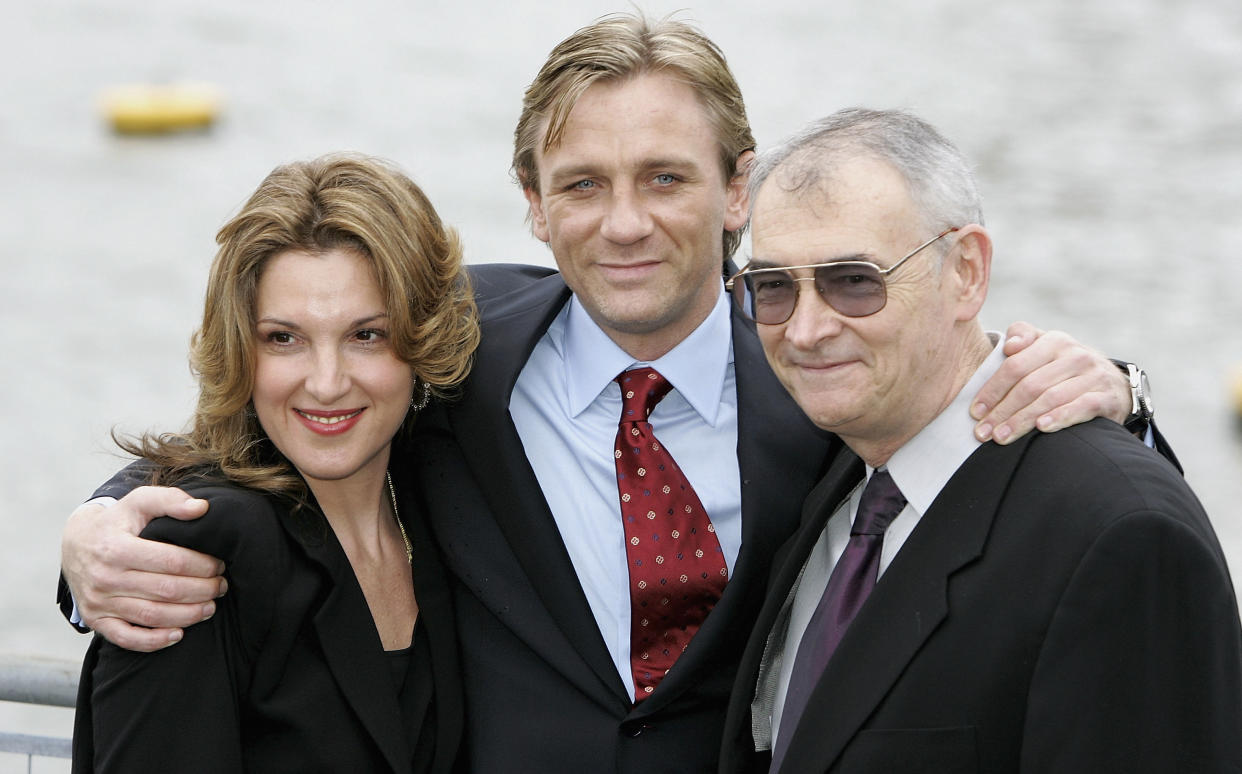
912, 751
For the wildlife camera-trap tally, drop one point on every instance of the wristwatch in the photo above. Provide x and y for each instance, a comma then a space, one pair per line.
1141, 410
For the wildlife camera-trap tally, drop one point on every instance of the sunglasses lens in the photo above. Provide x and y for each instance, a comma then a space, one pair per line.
853, 289
767, 297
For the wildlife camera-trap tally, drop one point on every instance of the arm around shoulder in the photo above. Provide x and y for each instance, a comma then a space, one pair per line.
179, 709
118, 579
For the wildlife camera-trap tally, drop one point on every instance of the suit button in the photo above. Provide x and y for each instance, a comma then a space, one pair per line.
637, 729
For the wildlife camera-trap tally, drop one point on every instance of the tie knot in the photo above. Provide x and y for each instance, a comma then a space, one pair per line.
641, 390
880, 503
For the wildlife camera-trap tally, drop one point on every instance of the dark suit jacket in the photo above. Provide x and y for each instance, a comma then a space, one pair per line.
1062, 606
289, 675
542, 693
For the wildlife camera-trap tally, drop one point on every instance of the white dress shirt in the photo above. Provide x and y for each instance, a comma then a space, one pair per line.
920, 468
566, 407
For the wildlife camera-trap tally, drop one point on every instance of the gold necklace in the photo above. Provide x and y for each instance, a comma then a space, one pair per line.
392, 495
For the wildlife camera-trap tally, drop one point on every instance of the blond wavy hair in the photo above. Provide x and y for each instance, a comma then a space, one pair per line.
339, 201
622, 46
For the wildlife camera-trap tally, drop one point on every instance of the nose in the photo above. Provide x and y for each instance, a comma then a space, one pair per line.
813, 320
627, 220
328, 379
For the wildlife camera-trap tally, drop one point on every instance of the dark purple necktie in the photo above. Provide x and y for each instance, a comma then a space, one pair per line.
849, 586
677, 569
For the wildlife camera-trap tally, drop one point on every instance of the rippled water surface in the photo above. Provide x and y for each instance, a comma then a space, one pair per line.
1108, 138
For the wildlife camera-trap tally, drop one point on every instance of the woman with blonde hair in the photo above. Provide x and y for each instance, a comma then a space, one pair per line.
337, 307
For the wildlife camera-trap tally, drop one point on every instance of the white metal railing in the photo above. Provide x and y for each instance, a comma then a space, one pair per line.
37, 680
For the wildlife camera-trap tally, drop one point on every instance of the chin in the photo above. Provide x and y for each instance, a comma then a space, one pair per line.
826, 412
835, 422
327, 470
636, 319
316, 473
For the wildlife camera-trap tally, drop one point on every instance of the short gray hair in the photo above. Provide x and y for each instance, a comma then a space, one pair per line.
939, 179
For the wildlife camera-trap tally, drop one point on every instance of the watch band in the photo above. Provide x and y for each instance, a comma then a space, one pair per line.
1141, 411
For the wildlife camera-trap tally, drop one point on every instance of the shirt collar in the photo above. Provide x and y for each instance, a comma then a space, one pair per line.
696, 367
927, 461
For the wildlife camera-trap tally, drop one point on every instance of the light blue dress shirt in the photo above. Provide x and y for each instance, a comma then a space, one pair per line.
566, 407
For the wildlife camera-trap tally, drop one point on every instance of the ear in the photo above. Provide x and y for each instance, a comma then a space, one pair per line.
538, 218
972, 270
737, 205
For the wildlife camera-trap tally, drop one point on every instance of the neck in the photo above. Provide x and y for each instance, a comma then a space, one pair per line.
652, 341
357, 509
647, 348
960, 360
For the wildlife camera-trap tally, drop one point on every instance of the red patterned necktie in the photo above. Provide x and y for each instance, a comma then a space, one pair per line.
677, 568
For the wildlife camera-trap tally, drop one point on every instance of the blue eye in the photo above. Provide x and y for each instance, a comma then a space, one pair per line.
665, 179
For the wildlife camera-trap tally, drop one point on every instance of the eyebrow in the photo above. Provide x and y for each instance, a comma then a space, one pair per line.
679, 164
760, 263
287, 324
574, 171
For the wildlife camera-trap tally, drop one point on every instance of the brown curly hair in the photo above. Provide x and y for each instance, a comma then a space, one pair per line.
338, 201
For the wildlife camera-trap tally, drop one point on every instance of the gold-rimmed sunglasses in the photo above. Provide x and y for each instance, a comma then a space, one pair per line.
768, 295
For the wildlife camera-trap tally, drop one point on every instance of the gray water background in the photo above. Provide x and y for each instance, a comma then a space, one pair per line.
1108, 138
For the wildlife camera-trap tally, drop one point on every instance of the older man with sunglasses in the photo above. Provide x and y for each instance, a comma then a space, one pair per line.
1058, 604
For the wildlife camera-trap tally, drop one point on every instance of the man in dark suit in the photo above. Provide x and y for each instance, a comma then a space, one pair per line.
1058, 604
632, 150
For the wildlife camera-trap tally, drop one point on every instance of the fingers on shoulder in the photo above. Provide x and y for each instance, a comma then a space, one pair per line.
232, 513
138, 639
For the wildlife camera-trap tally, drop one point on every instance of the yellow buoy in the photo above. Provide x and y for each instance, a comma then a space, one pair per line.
1235, 386
154, 109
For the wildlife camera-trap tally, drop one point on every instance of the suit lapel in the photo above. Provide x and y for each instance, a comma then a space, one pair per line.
353, 651
780, 456
437, 619
908, 604
844, 473
512, 326
841, 479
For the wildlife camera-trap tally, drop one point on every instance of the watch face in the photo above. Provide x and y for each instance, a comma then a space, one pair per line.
1145, 393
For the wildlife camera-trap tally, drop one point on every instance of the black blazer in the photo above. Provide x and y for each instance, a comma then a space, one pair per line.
289, 675
1063, 605
542, 693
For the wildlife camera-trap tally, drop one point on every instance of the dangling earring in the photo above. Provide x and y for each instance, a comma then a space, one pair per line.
420, 403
